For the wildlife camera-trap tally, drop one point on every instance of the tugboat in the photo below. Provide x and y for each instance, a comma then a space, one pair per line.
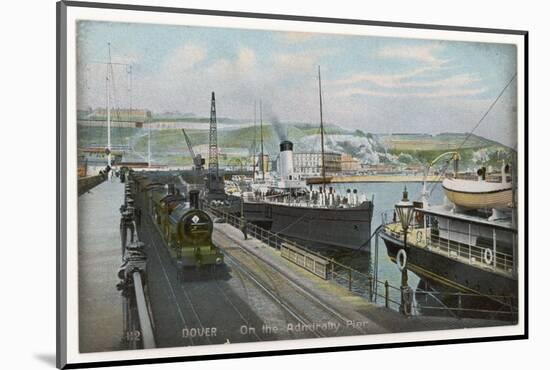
286, 205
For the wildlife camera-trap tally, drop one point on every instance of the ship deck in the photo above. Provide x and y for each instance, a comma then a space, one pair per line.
442, 211
312, 205
423, 238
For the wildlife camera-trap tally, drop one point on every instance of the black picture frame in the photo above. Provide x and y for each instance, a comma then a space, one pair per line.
61, 216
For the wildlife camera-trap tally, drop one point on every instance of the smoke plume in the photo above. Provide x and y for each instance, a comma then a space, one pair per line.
280, 130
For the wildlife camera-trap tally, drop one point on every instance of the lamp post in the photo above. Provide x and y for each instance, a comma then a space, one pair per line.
405, 212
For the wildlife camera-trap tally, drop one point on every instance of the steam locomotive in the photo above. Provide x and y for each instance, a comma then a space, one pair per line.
184, 227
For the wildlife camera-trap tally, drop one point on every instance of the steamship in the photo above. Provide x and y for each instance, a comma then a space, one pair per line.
285, 205
467, 244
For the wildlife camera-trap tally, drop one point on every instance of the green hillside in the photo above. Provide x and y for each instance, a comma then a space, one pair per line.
423, 148
169, 147
446, 141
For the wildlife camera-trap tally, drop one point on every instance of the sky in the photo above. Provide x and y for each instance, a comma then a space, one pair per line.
376, 84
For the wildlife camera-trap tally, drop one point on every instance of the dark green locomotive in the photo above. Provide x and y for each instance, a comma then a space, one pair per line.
185, 229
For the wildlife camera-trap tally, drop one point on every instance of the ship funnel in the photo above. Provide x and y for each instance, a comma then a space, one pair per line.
287, 166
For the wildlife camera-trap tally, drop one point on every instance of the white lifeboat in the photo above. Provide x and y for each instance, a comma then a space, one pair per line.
473, 194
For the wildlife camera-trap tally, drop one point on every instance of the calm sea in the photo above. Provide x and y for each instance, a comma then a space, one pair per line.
386, 195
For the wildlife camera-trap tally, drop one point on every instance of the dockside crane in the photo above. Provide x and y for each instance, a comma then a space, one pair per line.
198, 160
215, 183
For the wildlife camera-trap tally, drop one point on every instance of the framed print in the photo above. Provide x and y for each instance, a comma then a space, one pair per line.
237, 184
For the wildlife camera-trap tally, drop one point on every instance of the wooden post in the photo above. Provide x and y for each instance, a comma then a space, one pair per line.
387, 286
370, 288
469, 243
349, 275
376, 267
448, 237
494, 249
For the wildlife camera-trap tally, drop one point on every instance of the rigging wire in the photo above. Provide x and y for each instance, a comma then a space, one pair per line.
448, 162
488, 110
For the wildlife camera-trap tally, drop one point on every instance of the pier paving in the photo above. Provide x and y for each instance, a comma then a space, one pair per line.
99, 258
378, 319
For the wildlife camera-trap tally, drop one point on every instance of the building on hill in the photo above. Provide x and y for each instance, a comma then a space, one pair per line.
137, 115
350, 164
380, 168
308, 164
414, 169
120, 118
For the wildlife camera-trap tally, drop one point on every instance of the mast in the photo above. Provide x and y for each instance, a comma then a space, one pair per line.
108, 121
129, 70
262, 142
254, 146
149, 146
109, 109
322, 133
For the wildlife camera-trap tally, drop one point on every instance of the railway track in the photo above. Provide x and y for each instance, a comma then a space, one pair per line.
193, 301
196, 304
150, 241
280, 287
273, 294
228, 299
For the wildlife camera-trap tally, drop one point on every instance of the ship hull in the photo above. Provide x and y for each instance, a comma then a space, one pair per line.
439, 269
336, 227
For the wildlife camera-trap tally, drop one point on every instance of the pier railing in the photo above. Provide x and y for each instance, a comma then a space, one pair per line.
459, 304
369, 286
355, 281
85, 184
138, 331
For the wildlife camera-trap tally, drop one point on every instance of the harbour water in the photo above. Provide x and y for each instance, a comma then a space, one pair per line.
386, 195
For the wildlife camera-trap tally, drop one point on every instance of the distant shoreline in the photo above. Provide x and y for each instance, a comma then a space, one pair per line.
376, 178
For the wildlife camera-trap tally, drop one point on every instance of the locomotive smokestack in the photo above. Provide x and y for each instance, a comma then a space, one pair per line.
287, 166
194, 198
